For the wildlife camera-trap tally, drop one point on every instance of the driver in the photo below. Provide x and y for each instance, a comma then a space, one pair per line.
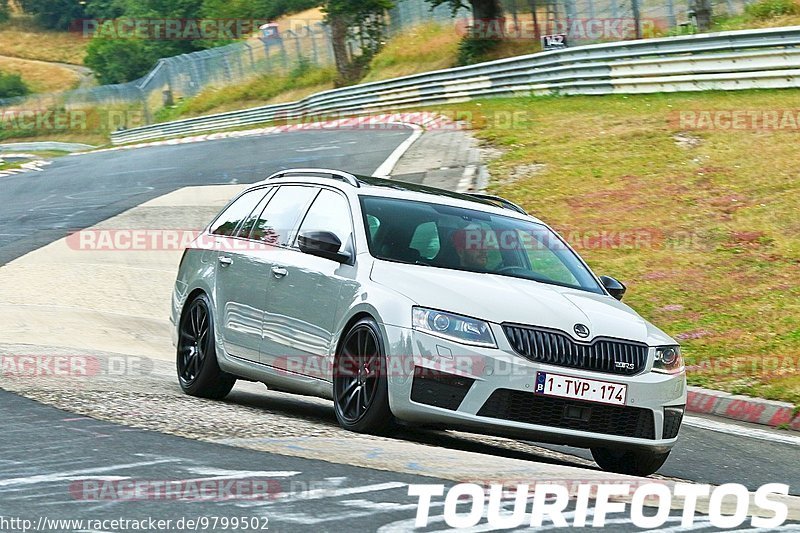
470, 244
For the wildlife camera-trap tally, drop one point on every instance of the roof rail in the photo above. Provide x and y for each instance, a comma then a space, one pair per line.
339, 175
499, 201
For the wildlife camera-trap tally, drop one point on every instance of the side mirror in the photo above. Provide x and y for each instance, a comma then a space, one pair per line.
615, 288
322, 244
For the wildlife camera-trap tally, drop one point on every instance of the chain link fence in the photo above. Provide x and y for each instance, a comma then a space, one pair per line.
186, 75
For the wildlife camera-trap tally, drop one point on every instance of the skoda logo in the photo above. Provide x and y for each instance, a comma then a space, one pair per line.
581, 331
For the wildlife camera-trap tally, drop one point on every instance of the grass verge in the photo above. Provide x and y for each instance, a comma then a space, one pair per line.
39, 76
420, 49
702, 225
262, 90
21, 38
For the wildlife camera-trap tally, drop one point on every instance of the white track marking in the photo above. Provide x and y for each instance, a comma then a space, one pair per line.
742, 431
386, 168
318, 494
76, 474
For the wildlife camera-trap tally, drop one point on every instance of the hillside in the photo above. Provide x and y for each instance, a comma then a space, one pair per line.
48, 61
703, 231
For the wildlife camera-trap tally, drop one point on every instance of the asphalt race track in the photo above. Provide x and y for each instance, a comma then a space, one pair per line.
78, 191
45, 449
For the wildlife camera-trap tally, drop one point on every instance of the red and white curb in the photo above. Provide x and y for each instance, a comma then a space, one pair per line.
743, 408
385, 121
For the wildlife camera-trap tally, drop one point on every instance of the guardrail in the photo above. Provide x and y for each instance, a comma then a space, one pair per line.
750, 59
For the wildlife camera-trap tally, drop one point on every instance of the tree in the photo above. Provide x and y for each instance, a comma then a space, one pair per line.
5, 12
484, 34
362, 20
54, 14
485, 10
118, 59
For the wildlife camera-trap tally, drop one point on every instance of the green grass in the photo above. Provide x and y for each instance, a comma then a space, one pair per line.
761, 14
721, 269
265, 89
421, 48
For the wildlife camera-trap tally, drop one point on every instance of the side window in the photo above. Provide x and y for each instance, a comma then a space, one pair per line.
250, 221
277, 221
330, 212
230, 219
426, 240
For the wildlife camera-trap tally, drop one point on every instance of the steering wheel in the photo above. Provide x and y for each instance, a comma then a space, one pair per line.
509, 269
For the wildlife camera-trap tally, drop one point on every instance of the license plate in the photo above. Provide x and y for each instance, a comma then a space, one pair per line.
590, 390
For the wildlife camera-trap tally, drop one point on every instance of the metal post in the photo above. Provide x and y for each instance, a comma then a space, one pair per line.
637, 18
673, 20
535, 16
298, 50
313, 36
513, 8
284, 56
572, 14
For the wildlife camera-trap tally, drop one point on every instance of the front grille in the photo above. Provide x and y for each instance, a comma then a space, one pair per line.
439, 389
557, 348
672, 421
529, 408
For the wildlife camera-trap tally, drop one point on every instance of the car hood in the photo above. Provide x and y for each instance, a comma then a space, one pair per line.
502, 299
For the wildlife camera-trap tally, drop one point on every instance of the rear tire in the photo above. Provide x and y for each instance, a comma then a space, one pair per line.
199, 373
360, 384
631, 462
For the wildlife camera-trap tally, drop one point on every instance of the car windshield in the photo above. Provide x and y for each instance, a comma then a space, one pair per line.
444, 236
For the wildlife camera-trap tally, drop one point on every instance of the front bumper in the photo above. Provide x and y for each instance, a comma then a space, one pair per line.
491, 391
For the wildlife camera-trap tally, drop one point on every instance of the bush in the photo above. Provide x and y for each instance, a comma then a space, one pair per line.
766, 9
118, 60
5, 12
11, 85
473, 50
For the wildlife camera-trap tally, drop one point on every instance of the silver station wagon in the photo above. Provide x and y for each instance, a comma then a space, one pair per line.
409, 305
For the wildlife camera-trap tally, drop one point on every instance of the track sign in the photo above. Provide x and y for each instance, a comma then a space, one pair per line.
556, 41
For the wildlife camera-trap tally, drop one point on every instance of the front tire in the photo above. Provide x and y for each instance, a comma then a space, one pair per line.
198, 370
631, 462
360, 384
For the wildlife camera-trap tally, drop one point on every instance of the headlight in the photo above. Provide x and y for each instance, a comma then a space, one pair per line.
668, 360
453, 327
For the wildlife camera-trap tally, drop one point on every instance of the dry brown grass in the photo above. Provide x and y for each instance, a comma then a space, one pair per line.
19, 38
41, 77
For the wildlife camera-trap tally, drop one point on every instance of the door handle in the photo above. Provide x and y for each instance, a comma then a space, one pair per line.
279, 272
225, 261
